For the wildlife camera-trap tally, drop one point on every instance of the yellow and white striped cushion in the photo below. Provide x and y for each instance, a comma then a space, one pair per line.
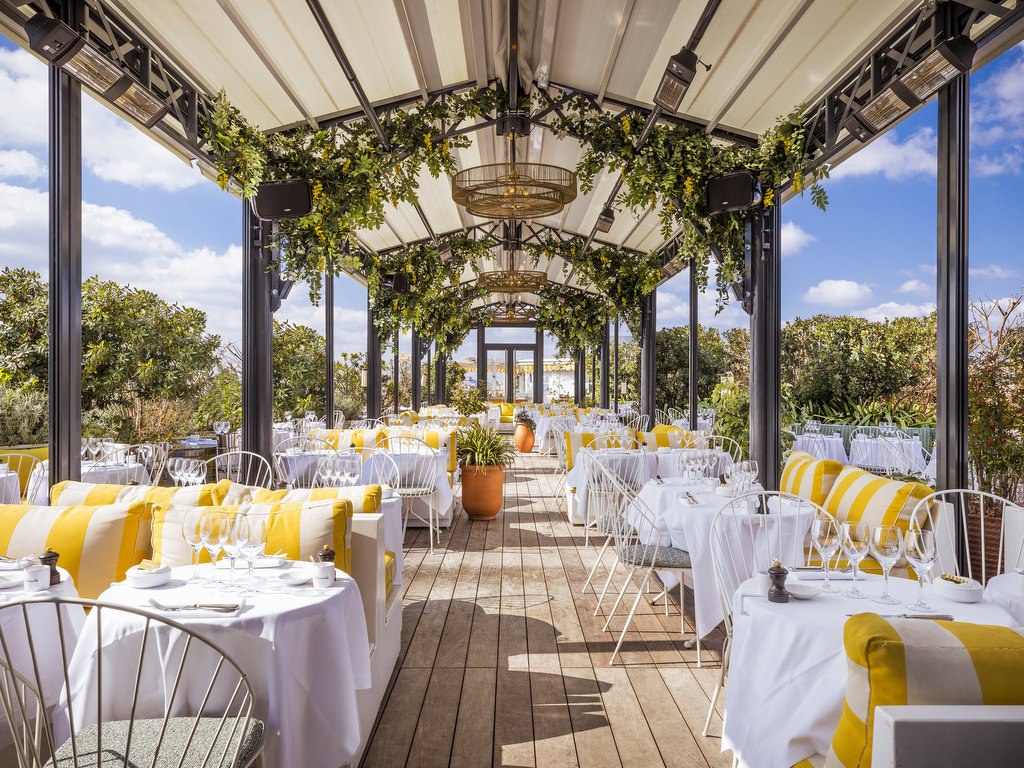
390, 571
907, 661
364, 498
809, 477
671, 438
341, 439
96, 543
222, 492
576, 441
302, 529
435, 438
860, 495
168, 543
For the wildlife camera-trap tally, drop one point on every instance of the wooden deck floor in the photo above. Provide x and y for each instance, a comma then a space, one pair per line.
503, 662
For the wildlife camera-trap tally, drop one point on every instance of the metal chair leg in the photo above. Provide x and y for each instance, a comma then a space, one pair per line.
600, 554
632, 611
719, 686
607, 582
625, 586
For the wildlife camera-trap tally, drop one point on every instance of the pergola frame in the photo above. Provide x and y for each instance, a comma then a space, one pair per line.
189, 99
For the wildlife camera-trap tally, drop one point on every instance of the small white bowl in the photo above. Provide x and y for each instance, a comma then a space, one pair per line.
148, 579
387, 493
970, 591
296, 577
803, 591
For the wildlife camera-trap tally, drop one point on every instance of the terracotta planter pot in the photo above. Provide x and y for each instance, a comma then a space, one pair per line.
992, 527
482, 491
523, 438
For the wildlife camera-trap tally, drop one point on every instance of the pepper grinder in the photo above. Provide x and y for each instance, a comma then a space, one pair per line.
326, 555
49, 557
777, 574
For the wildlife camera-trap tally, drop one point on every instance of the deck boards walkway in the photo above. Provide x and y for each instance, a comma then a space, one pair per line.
503, 662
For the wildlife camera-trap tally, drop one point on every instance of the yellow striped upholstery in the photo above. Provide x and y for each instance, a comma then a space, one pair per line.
660, 428
364, 498
575, 441
390, 565
349, 438
908, 661
860, 495
409, 417
222, 492
808, 477
433, 438
302, 529
508, 411
168, 543
96, 543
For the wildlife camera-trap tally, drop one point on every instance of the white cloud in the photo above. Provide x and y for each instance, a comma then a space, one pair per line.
914, 286
19, 163
795, 238
893, 159
112, 148
674, 310
994, 272
892, 309
838, 293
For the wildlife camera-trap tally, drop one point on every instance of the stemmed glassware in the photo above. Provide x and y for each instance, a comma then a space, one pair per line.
919, 546
254, 548
234, 535
85, 448
196, 472
191, 531
207, 535
886, 546
825, 536
174, 467
107, 446
94, 447
854, 540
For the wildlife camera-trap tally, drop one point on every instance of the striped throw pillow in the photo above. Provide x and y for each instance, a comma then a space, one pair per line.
222, 492
96, 543
364, 498
905, 661
672, 438
861, 495
168, 542
808, 477
301, 529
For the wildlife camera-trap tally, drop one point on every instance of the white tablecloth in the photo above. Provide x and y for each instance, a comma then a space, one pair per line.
298, 469
43, 626
901, 454
392, 510
92, 472
823, 447
443, 497
703, 425
1004, 592
787, 674
305, 654
10, 487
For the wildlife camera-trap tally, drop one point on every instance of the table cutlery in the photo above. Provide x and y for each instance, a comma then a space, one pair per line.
658, 480
692, 498
932, 616
219, 607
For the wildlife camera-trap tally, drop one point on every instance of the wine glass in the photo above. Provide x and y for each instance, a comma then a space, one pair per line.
854, 540
919, 546
254, 548
191, 530
107, 445
825, 536
94, 447
205, 532
353, 467
85, 447
174, 470
886, 546
212, 542
233, 537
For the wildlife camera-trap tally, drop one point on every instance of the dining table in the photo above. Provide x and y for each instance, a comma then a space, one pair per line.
788, 666
10, 485
1007, 591
901, 454
305, 651
822, 446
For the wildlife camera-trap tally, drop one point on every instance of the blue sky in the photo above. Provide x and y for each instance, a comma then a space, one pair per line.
152, 221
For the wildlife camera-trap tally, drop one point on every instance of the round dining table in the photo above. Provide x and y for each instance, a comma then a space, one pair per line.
304, 650
787, 671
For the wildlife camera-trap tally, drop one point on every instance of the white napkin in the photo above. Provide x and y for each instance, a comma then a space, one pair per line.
203, 613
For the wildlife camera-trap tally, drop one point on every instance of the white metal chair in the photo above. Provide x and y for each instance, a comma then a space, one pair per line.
675, 414
243, 467
954, 505
23, 465
416, 480
284, 459
661, 417
640, 546
142, 464
747, 535
724, 444
126, 717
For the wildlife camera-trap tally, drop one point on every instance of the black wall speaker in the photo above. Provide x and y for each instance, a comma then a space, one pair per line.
287, 199
732, 192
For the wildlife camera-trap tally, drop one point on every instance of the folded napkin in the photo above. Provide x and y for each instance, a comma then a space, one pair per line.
180, 612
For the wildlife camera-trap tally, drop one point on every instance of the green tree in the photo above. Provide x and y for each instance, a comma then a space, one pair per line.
300, 366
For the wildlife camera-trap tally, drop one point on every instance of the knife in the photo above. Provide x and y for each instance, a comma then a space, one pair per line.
658, 480
932, 616
692, 498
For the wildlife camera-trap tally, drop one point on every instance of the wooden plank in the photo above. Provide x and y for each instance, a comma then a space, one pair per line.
513, 720
592, 733
552, 726
474, 730
674, 739
634, 740
398, 720
432, 743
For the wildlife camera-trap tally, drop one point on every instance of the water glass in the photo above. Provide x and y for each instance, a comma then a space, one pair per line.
208, 525
234, 535
191, 532
254, 548
887, 547
854, 540
825, 536
919, 547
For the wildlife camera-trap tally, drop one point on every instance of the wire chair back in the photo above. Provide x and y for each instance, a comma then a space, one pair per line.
338, 469
946, 512
751, 531
142, 464
296, 459
890, 453
724, 444
16, 489
360, 424
243, 467
134, 702
661, 417
378, 466
416, 461
814, 444
640, 423
628, 466
676, 414
561, 438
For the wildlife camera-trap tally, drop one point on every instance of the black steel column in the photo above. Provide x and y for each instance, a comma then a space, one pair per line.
417, 359
579, 376
65, 278
257, 336
430, 362
510, 379
441, 378
648, 365
396, 372
605, 354
616, 363
765, 333
329, 344
538, 367
953, 298
373, 365
481, 359
693, 352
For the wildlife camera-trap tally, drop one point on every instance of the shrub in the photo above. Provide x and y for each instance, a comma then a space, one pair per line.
23, 416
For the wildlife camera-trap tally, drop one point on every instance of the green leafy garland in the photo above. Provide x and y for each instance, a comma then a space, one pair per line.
575, 318
671, 169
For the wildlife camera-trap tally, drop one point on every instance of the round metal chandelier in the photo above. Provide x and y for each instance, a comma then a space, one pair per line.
514, 190
513, 281
511, 312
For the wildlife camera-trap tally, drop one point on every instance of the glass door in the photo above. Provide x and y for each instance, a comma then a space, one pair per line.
496, 360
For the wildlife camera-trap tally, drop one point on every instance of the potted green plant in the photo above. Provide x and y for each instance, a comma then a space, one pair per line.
525, 427
483, 454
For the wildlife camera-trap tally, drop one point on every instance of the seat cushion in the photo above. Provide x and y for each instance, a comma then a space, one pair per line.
96, 543
508, 411
209, 494
809, 477
302, 529
390, 571
145, 736
663, 557
910, 661
364, 498
861, 495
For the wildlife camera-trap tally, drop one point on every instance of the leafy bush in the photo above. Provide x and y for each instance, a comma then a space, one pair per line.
349, 406
466, 400
483, 447
732, 412
23, 416
523, 417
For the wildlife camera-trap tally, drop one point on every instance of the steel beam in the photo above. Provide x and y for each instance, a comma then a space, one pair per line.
441, 379
65, 278
257, 336
538, 367
373, 364
396, 371
765, 335
329, 349
417, 359
694, 350
648, 364
481, 357
605, 355
615, 368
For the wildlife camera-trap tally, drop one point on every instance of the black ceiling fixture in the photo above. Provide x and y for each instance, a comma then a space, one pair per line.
605, 219
677, 78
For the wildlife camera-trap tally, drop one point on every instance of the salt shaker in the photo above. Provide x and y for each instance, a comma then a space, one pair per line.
49, 558
777, 593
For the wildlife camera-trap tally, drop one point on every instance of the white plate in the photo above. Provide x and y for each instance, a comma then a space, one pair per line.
8, 582
803, 591
148, 579
295, 577
969, 592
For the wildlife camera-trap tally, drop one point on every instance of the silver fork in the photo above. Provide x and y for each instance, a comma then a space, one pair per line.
219, 607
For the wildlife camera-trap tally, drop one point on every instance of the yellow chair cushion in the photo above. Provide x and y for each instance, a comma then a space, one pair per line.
809, 477
508, 412
210, 494
390, 564
340, 439
96, 543
302, 528
168, 543
662, 439
364, 498
908, 661
861, 495
659, 428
